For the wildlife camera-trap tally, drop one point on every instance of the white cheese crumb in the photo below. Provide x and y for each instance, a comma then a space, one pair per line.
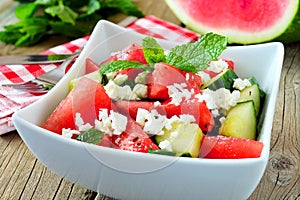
78, 120
120, 79
178, 93
204, 76
165, 145
156, 104
141, 116
141, 78
240, 84
140, 91
119, 122
115, 123
68, 133
155, 123
222, 119
185, 118
117, 92
80, 123
174, 134
218, 66
219, 99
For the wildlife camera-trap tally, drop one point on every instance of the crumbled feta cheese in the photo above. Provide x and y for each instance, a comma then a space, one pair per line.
204, 76
187, 118
68, 133
110, 75
78, 120
118, 122
215, 112
187, 76
140, 91
141, 78
222, 120
156, 104
85, 127
115, 123
174, 134
165, 145
218, 66
240, 84
178, 93
141, 116
219, 99
155, 123
125, 92
80, 123
120, 79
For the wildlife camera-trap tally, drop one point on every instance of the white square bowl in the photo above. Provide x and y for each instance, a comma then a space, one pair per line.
130, 175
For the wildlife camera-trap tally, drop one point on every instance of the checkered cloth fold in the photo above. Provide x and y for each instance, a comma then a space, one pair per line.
12, 100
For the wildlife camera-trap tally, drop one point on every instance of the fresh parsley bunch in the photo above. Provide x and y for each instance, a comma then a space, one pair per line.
73, 18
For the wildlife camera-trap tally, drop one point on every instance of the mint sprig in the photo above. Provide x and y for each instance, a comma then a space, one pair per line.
116, 65
72, 18
152, 51
194, 57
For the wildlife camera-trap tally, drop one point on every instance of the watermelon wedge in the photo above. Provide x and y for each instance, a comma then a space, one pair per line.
242, 21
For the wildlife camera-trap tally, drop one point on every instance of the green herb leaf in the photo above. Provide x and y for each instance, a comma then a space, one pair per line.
92, 136
195, 56
65, 13
92, 7
116, 65
26, 32
152, 51
124, 6
26, 10
67, 17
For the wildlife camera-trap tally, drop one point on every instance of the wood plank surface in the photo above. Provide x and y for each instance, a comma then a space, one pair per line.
22, 176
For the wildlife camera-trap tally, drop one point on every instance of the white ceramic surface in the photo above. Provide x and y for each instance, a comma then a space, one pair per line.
129, 175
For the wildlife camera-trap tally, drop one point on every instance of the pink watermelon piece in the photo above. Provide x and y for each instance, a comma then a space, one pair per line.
242, 21
79, 100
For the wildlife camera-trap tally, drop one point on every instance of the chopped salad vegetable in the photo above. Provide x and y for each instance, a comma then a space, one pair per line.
188, 102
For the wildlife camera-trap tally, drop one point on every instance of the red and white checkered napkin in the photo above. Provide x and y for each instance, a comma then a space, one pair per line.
12, 100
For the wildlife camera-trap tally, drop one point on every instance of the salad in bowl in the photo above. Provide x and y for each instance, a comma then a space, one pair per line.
143, 118
186, 102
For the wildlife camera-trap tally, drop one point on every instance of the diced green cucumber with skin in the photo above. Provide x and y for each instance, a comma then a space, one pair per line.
253, 81
185, 138
240, 121
251, 93
223, 80
93, 75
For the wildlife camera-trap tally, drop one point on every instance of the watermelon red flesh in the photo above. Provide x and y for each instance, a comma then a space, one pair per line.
165, 75
222, 147
133, 52
243, 21
133, 138
81, 100
199, 110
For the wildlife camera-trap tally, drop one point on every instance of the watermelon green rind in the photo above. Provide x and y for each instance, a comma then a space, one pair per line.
292, 33
288, 22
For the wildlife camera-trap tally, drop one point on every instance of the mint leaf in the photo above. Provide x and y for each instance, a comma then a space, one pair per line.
214, 44
116, 65
92, 136
195, 56
124, 6
65, 13
26, 10
152, 51
26, 32
92, 7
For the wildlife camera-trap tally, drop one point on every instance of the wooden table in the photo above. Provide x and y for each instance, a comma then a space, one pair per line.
22, 176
